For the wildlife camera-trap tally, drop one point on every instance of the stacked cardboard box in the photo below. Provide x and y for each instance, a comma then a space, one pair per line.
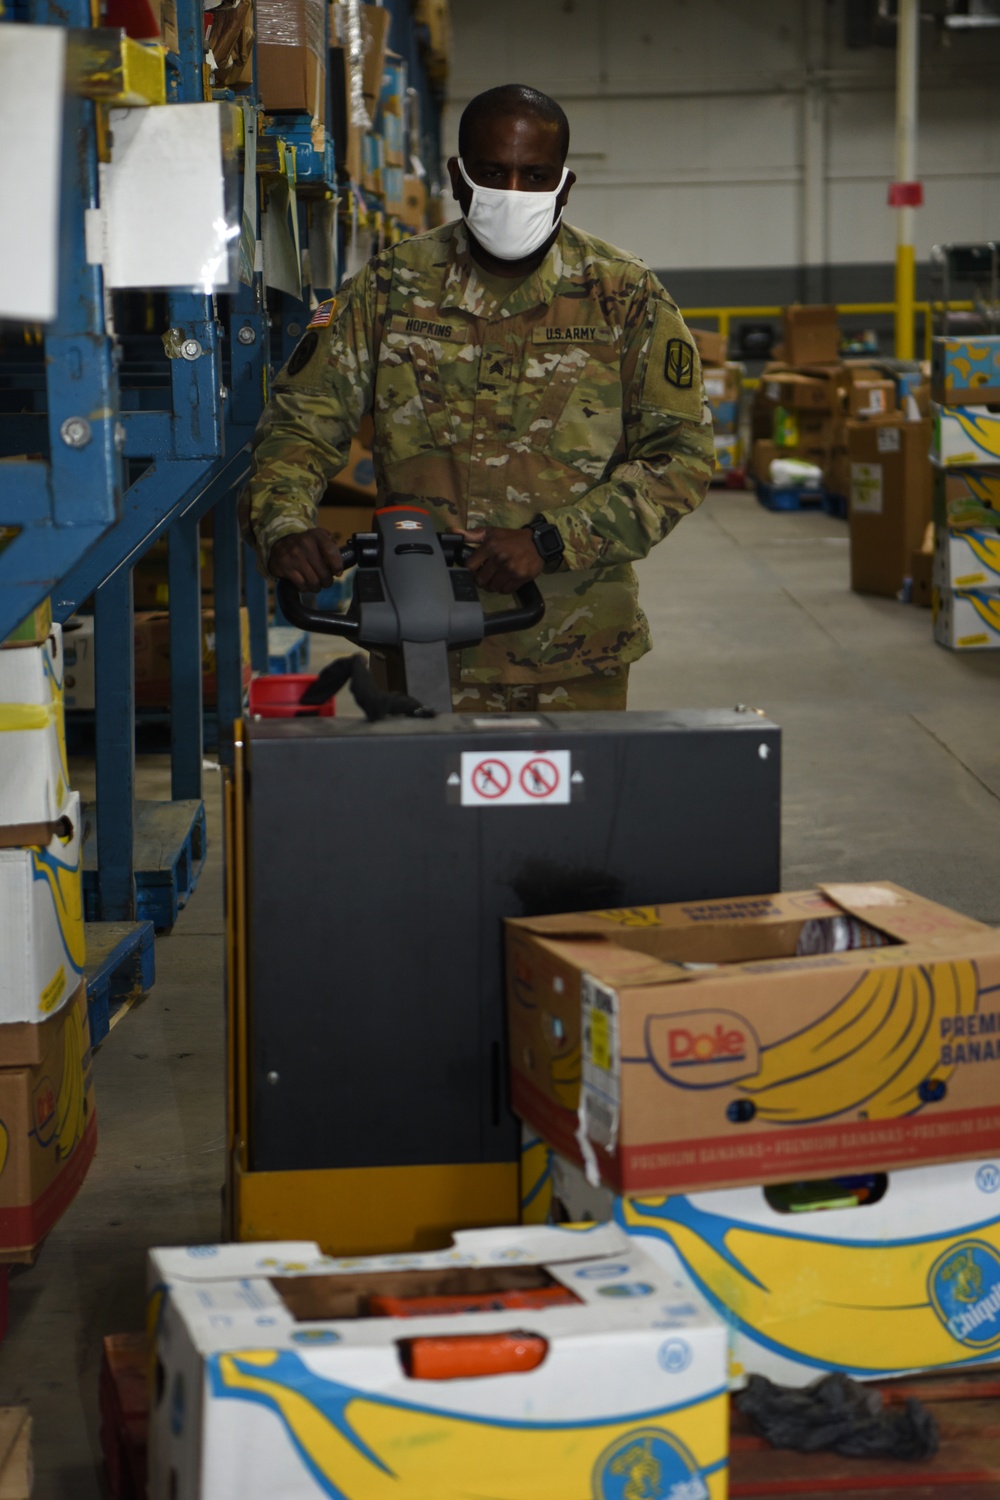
739, 1063
724, 392
965, 451
47, 1121
291, 56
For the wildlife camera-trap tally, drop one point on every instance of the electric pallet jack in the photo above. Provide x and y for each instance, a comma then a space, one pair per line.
370, 867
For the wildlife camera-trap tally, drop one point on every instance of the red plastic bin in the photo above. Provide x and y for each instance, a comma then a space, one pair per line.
278, 697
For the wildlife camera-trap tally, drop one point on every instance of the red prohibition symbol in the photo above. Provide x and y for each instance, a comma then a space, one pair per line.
491, 778
539, 778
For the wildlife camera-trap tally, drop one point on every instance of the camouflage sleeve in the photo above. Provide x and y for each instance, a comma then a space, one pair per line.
669, 449
303, 439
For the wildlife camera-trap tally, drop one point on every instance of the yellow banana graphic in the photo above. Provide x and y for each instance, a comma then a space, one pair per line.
984, 431
869, 1054
69, 1104
986, 608
362, 1446
863, 1307
565, 1074
536, 1181
986, 549
65, 884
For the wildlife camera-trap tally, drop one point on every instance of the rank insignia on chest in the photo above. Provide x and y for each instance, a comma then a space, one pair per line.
324, 314
678, 366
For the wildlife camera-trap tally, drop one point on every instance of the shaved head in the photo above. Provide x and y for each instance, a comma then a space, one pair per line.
511, 99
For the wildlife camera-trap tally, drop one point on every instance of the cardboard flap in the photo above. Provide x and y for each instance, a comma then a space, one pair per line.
901, 914
593, 924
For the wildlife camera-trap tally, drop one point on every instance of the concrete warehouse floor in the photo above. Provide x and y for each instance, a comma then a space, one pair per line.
891, 770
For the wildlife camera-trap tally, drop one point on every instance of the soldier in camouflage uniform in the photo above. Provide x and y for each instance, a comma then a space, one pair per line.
509, 395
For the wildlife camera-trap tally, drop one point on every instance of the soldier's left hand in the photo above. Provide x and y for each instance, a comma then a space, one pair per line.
504, 559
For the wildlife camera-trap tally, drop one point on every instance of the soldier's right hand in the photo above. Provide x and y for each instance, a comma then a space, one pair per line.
308, 559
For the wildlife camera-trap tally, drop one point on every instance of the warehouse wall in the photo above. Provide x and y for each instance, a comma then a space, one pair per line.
710, 135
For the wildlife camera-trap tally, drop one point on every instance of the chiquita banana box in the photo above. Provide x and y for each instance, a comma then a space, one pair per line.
963, 435
967, 619
712, 1043
48, 1129
41, 925
876, 1275
34, 778
526, 1363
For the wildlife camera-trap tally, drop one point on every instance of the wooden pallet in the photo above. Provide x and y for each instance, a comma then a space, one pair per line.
120, 969
15, 1453
965, 1467
123, 1398
169, 847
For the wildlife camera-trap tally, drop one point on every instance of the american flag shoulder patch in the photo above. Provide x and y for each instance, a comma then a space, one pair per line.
324, 314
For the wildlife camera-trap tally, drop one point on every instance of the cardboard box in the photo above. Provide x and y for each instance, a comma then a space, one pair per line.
871, 397
967, 619
34, 776
803, 392
966, 372
372, 164
728, 451
394, 141
713, 347
33, 629
714, 1043
967, 559
342, 521
967, 498
922, 576
414, 210
435, 17
890, 501
41, 925
151, 576
723, 384
871, 1287
392, 189
811, 335
346, 135
392, 99
838, 471
964, 435
763, 453
277, 1380
291, 56
48, 1130
375, 23
78, 643
152, 656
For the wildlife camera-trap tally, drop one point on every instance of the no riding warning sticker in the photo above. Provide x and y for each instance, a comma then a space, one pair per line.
516, 778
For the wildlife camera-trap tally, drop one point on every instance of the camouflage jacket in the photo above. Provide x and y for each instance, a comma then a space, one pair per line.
580, 398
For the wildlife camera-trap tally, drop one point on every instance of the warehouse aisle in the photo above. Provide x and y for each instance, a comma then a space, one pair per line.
892, 771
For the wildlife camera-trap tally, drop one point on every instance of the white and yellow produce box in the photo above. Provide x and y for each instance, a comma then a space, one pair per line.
41, 922
967, 559
964, 435
34, 778
909, 1281
967, 619
272, 1377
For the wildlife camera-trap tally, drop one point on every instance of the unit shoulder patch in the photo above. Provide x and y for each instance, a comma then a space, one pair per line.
302, 353
324, 314
672, 379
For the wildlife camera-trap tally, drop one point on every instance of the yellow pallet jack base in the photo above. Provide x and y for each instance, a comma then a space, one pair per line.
374, 1210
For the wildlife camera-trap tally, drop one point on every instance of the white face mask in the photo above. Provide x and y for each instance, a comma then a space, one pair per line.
510, 224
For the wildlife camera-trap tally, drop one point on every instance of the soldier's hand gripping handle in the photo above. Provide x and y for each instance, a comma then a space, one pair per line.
308, 559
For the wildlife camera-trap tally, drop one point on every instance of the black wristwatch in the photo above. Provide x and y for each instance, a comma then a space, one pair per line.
548, 543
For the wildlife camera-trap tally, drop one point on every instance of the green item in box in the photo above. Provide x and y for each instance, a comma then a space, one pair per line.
966, 498
34, 628
786, 428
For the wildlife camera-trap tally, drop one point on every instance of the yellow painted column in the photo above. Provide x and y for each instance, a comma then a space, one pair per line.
907, 64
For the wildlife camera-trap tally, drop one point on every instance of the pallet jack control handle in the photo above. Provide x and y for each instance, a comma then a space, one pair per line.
531, 608
301, 615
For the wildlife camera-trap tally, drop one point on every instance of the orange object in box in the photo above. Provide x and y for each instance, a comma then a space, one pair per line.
468, 1356
280, 697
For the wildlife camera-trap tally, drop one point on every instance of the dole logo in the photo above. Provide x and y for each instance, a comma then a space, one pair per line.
702, 1049
964, 1289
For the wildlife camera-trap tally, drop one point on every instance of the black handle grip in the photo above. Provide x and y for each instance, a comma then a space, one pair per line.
313, 619
530, 611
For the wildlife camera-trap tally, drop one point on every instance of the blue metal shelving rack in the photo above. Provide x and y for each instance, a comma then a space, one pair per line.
137, 447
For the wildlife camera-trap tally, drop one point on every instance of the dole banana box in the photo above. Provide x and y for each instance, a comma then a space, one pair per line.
967, 619
275, 1376
967, 499
34, 777
964, 435
907, 1280
967, 559
964, 371
41, 932
712, 1043
48, 1130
